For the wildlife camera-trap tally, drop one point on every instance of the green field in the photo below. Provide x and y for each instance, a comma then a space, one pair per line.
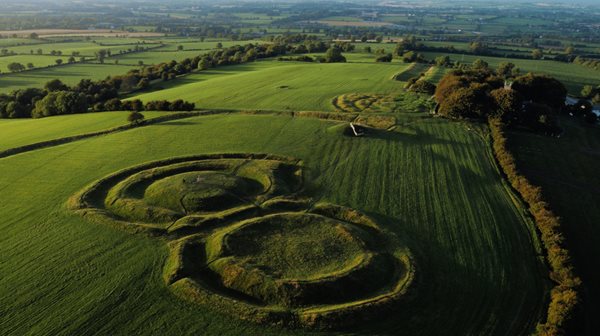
70, 74
38, 61
566, 167
276, 85
155, 56
9, 42
20, 132
430, 182
85, 48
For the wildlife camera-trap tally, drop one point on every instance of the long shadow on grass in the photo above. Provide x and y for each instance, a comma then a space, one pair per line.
451, 294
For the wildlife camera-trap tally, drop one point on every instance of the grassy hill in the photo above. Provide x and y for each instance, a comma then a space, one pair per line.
431, 182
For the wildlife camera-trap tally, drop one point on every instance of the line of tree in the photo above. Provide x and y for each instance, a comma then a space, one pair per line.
420, 85
480, 48
564, 296
21, 103
588, 62
592, 93
116, 104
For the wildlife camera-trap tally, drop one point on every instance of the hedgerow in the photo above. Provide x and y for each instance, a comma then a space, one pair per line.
564, 297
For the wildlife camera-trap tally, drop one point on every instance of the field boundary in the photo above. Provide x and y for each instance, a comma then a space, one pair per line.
564, 295
371, 121
60, 141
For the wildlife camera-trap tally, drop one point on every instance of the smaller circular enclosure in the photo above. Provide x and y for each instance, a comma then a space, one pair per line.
204, 191
325, 268
294, 245
185, 193
298, 259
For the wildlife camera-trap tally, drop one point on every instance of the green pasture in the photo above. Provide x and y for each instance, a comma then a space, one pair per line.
70, 74
431, 182
21, 132
85, 48
155, 57
274, 85
38, 61
9, 42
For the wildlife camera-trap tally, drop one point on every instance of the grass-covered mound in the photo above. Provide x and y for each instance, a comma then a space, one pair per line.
254, 245
328, 268
186, 192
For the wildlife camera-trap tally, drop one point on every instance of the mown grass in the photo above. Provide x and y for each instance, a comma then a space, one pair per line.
20, 132
431, 183
70, 74
156, 56
566, 169
278, 85
37, 60
85, 48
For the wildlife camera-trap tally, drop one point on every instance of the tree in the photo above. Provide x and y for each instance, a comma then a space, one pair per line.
40, 51
507, 103
15, 67
33, 36
60, 102
409, 56
133, 105
478, 48
423, 86
113, 104
17, 110
587, 91
179, 47
505, 69
55, 85
204, 64
101, 55
144, 83
30, 65
384, 58
219, 45
537, 54
71, 59
367, 49
334, 55
141, 63
570, 50
541, 89
442, 60
480, 64
58, 61
135, 118
467, 102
